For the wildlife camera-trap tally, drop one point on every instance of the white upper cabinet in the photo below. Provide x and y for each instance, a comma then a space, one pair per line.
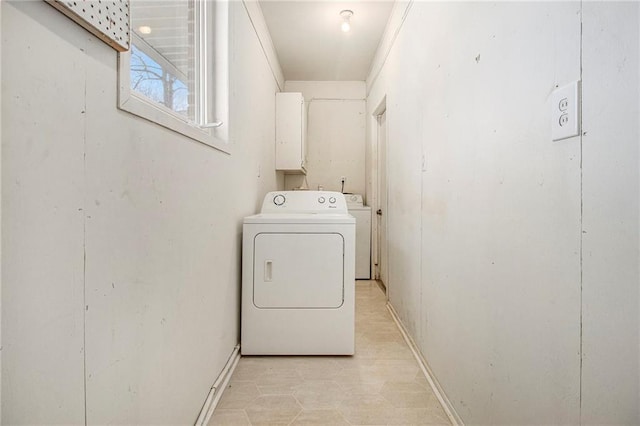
291, 149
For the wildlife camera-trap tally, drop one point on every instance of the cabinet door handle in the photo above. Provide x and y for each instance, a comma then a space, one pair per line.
379, 212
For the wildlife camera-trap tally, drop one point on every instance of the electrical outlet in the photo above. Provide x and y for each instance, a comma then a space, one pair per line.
565, 111
563, 104
564, 119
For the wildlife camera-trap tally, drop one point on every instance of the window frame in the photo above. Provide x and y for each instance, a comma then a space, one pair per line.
212, 83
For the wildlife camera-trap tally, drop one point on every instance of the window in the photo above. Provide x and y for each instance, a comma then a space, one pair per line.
176, 71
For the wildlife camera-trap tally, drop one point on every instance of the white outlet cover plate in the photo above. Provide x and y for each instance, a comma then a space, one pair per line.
565, 111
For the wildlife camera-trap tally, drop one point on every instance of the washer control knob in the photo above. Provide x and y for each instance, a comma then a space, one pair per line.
321, 200
332, 200
279, 200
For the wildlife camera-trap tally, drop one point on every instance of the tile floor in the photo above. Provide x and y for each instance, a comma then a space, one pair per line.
381, 384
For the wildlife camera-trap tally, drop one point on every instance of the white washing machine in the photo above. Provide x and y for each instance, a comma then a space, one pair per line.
298, 276
362, 214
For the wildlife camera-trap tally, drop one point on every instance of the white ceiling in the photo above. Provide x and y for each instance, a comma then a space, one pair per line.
310, 44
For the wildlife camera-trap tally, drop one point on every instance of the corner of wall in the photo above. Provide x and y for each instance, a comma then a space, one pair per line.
262, 31
394, 25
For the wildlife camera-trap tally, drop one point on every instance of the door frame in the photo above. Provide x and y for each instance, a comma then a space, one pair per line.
377, 112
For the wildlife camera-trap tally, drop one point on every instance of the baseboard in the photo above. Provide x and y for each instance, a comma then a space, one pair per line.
435, 386
218, 388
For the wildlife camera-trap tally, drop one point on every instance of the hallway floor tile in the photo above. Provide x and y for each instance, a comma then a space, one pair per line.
381, 384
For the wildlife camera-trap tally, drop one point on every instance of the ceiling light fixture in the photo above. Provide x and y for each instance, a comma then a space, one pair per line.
346, 20
144, 29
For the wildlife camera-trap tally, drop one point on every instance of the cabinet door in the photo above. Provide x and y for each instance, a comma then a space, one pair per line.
290, 132
298, 270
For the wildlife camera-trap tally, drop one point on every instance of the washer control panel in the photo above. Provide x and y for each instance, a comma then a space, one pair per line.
354, 199
304, 202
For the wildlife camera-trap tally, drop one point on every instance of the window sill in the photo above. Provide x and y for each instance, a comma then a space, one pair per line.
148, 111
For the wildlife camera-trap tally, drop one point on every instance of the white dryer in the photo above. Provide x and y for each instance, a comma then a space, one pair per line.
298, 276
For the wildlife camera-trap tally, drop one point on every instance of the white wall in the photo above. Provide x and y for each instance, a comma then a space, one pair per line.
491, 267
43, 111
336, 118
610, 254
121, 239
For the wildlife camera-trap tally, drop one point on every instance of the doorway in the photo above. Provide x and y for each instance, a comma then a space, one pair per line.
381, 252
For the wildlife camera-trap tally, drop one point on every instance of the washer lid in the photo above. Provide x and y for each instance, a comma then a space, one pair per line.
359, 209
301, 218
